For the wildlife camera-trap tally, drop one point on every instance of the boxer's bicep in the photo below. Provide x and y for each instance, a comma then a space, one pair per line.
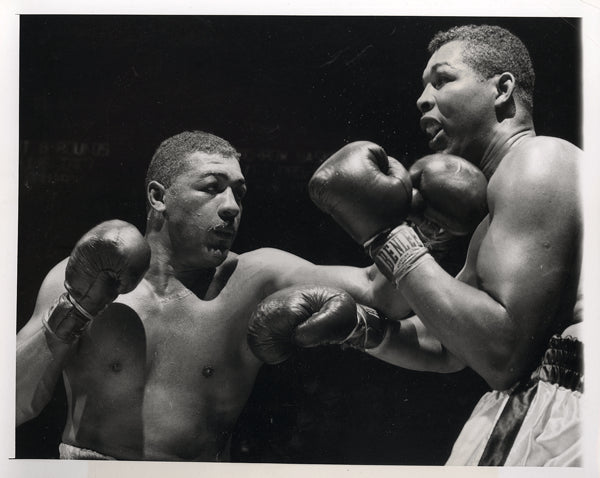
367, 285
281, 270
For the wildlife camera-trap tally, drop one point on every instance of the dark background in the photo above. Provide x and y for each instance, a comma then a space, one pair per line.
99, 93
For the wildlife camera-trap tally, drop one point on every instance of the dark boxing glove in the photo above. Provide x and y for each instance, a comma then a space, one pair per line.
109, 260
309, 317
363, 189
449, 200
449, 193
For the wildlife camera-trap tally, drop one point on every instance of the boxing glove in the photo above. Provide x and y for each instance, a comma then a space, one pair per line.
308, 317
363, 189
368, 332
109, 260
449, 192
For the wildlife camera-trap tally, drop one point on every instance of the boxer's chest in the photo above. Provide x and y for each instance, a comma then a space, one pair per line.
180, 343
197, 341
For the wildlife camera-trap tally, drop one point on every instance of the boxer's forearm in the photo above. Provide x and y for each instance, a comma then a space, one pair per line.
469, 322
383, 296
40, 360
410, 345
367, 286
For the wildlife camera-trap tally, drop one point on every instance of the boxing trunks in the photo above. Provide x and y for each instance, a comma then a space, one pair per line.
70, 452
537, 422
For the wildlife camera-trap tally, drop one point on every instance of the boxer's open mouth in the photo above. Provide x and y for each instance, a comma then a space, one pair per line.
430, 126
433, 130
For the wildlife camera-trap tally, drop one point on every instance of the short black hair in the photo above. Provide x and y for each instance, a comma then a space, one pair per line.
169, 159
491, 50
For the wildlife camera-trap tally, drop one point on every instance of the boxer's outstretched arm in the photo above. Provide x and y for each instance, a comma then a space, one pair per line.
40, 356
407, 343
366, 285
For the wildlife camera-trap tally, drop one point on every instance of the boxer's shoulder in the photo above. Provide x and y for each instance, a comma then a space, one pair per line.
264, 268
542, 153
552, 144
534, 166
264, 259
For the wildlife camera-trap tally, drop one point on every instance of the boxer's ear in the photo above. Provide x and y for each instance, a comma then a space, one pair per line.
505, 87
156, 196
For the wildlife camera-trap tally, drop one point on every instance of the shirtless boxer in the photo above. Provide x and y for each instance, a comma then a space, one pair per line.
150, 332
513, 312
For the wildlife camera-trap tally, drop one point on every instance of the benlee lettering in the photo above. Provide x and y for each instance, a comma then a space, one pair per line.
392, 250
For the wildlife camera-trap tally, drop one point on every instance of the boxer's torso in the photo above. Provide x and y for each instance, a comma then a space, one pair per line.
567, 314
165, 379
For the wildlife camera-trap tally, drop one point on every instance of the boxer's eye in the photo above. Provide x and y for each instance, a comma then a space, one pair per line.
440, 81
211, 188
240, 192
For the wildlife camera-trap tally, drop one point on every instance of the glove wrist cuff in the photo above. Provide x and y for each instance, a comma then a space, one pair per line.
397, 252
79, 307
432, 234
370, 329
65, 320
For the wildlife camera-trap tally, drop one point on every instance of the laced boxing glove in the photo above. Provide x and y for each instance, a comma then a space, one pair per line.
363, 189
109, 260
308, 317
449, 193
449, 200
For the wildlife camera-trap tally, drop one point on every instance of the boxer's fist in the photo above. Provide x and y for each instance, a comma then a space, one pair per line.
305, 316
369, 330
449, 191
308, 317
363, 189
109, 260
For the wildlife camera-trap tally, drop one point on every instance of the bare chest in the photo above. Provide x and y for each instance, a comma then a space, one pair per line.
176, 373
185, 340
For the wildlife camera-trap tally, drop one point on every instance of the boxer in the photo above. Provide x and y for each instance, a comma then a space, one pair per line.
512, 313
150, 332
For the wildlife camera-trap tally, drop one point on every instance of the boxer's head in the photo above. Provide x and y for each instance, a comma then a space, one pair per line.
194, 188
491, 50
476, 77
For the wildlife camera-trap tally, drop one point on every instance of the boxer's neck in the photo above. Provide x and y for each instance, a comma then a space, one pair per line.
503, 139
170, 280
